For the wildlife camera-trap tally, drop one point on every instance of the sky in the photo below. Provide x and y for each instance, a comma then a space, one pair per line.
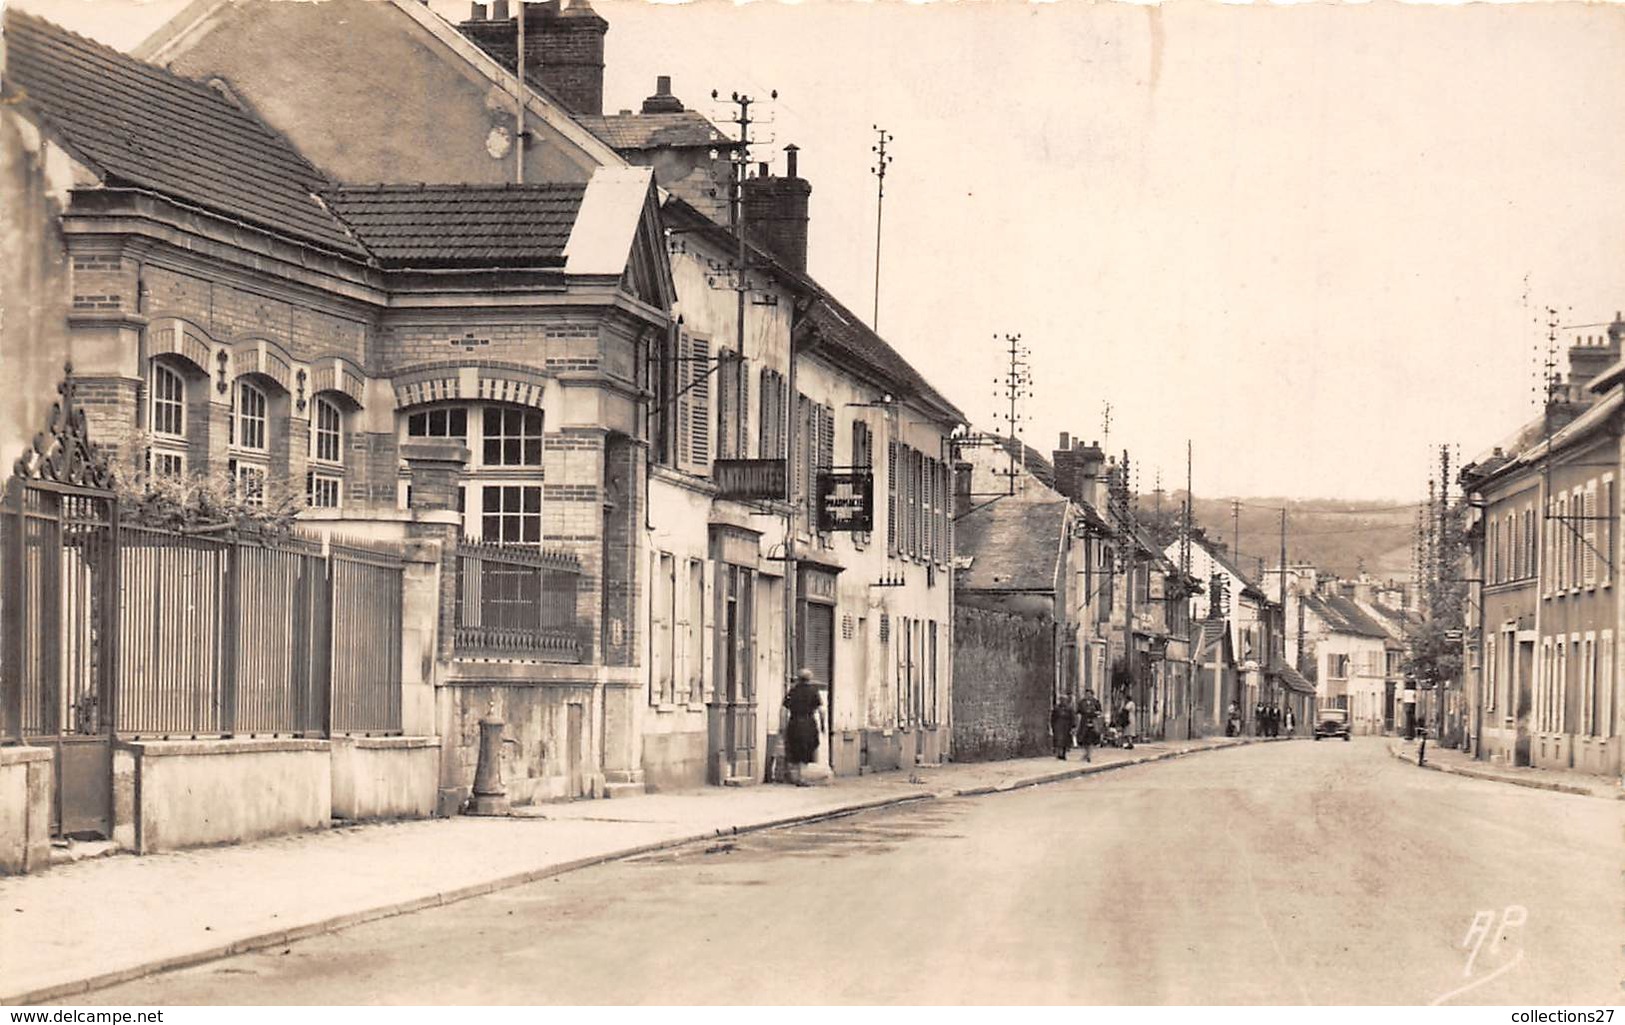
1317, 241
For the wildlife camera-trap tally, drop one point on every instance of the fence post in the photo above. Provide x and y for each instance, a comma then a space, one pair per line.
229, 605
11, 600
323, 640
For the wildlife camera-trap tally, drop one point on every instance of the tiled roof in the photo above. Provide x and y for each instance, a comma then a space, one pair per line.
1293, 679
1342, 615
138, 125
1014, 546
1034, 460
841, 329
461, 225
688, 128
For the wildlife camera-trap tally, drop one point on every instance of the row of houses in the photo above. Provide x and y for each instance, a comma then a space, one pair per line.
581, 387
1543, 547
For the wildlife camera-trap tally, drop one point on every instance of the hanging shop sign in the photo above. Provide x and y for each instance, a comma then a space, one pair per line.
846, 501
750, 480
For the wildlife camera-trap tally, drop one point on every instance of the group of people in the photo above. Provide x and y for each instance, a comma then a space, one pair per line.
1084, 723
1271, 719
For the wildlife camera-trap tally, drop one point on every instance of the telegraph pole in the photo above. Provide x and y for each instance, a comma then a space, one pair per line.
882, 161
1017, 384
1235, 528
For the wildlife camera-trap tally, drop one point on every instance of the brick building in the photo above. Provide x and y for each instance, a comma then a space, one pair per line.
871, 613
459, 364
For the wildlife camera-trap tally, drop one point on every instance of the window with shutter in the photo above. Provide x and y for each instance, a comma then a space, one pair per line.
1607, 516
891, 498
1590, 554
700, 405
727, 403
741, 430
683, 374
766, 436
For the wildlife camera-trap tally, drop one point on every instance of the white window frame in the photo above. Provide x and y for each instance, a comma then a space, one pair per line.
319, 409
242, 470
318, 484
241, 418
1492, 682
1588, 683
157, 402
158, 455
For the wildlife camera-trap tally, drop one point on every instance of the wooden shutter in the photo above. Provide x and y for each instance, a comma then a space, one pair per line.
682, 458
741, 432
727, 402
1590, 554
700, 404
891, 498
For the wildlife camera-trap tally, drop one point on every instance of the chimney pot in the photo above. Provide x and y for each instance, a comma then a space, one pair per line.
1066, 440
790, 152
499, 10
662, 85
761, 170
476, 12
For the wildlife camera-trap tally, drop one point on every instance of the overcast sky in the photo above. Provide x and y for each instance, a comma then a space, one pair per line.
1315, 239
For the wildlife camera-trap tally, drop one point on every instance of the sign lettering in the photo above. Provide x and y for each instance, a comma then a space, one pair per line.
750, 480
846, 501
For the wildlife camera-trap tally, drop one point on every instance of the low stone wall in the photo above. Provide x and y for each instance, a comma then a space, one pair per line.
194, 792
384, 777
25, 809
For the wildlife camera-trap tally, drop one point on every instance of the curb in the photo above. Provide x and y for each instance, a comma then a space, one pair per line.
1490, 777
333, 924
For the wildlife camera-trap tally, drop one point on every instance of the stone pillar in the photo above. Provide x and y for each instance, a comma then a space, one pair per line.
435, 467
420, 629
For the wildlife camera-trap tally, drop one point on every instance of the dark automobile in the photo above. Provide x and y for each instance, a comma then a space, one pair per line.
1332, 722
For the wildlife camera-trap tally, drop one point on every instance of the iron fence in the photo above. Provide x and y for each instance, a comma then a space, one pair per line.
517, 602
235, 637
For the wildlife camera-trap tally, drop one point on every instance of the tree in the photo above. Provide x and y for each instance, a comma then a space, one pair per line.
1434, 644
205, 503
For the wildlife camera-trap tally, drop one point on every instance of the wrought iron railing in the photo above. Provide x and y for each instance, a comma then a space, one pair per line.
517, 602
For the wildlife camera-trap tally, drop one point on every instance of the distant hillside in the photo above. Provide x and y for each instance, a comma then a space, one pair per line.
1341, 537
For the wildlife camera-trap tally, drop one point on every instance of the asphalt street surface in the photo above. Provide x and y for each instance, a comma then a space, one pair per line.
1299, 873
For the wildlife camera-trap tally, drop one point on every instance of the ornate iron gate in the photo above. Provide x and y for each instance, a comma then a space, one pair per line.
59, 590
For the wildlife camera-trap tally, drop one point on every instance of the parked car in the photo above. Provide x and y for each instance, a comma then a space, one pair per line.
1332, 722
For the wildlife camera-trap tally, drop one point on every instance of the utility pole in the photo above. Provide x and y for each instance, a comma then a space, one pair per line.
1446, 573
882, 161
519, 102
1235, 528
1017, 383
743, 121
1106, 428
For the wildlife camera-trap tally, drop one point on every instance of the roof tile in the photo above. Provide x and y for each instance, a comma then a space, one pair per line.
142, 126
461, 225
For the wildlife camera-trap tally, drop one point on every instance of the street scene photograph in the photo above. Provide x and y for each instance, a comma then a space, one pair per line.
846, 503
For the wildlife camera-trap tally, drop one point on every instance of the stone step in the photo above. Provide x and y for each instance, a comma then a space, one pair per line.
613, 790
624, 776
739, 781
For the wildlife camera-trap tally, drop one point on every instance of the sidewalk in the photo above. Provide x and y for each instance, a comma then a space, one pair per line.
94, 923
1459, 763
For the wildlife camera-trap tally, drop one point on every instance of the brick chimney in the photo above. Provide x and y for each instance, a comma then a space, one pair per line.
564, 47
662, 102
776, 212
1592, 354
1078, 470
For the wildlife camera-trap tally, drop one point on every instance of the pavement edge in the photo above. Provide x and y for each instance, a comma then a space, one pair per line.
1490, 777
271, 938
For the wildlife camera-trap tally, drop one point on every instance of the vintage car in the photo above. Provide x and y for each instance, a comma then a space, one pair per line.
1332, 722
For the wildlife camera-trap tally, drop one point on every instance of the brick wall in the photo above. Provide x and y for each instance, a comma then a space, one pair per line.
555, 346
229, 314
109, 405
623, 518
1003, 679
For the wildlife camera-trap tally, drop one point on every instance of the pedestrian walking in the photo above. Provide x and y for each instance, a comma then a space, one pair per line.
1061, 724
1131, 727
1258, 719
804, 709
1291, 720
1088, 721
1232, 720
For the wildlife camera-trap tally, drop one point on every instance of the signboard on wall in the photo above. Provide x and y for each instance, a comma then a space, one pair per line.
846, 501
750, 480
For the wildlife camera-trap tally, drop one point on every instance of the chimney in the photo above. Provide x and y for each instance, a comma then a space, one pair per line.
1591, 355
1078, 470
564, 48
662, 102
776, 213
477, 12
962, 487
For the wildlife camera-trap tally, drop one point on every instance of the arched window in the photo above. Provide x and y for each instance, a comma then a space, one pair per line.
250, 440
166, 417
500, 495
249, 417
324, 484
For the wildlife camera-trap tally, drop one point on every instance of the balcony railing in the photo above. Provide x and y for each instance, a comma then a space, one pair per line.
517, 602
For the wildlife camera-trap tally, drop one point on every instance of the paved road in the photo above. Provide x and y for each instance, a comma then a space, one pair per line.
1280, 873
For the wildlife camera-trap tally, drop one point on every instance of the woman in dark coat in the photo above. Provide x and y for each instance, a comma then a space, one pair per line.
805, 727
